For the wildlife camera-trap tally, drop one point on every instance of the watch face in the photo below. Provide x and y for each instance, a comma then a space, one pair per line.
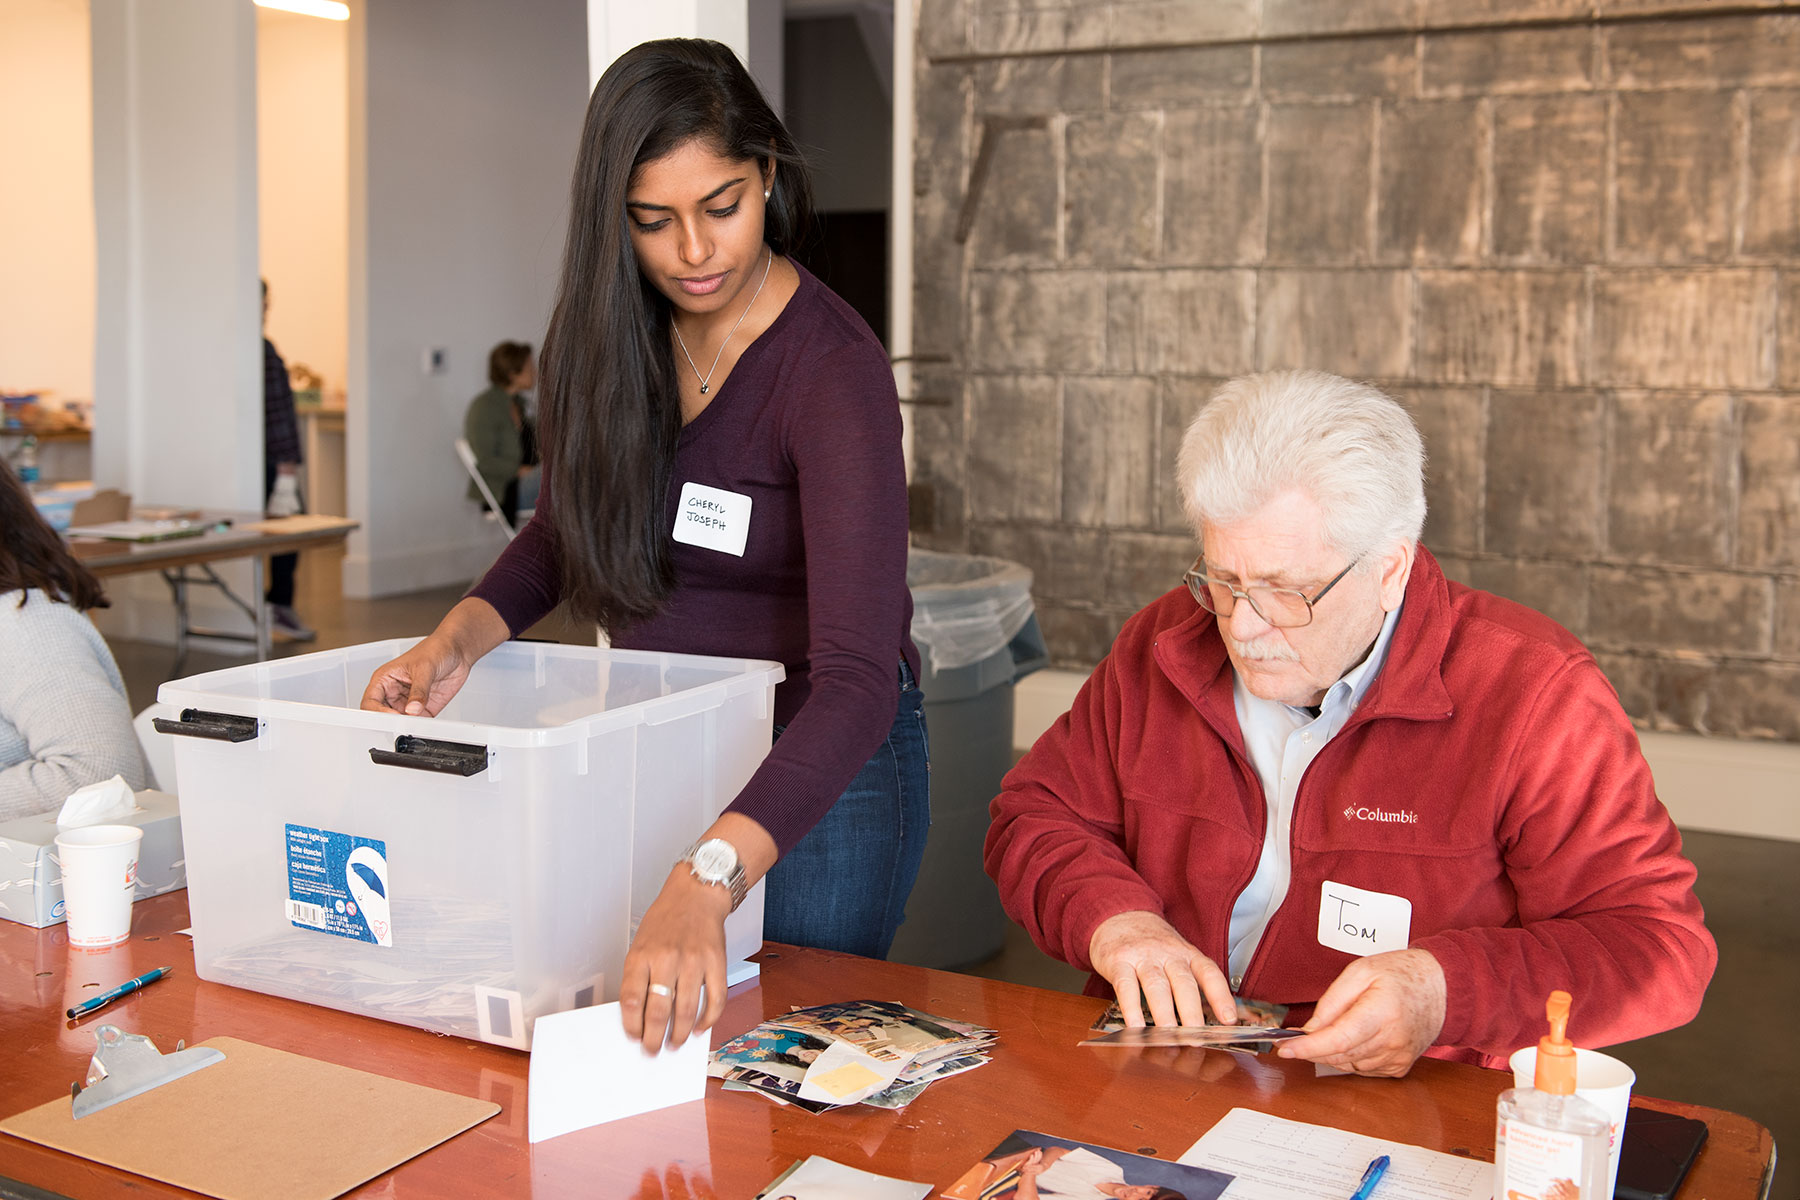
714, 859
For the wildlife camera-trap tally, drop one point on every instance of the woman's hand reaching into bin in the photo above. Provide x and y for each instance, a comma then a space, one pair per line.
422, 680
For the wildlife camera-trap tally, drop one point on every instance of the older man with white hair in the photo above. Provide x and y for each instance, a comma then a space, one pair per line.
1322, 774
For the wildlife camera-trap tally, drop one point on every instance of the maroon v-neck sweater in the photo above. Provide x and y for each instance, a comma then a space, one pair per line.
808, 427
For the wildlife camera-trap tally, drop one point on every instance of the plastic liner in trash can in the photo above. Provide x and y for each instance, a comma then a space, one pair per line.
966, 609
977, 633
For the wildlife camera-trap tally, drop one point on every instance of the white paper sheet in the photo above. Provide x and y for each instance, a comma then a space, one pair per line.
585, 1071
822, 1179
1276, 1159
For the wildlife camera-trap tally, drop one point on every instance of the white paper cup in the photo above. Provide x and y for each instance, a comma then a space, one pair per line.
1600, 1079
99, 873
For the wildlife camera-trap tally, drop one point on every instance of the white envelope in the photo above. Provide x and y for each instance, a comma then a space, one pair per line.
585, 1071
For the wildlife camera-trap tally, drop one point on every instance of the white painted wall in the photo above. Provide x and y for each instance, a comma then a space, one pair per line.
464, 118
302, 66
47, 205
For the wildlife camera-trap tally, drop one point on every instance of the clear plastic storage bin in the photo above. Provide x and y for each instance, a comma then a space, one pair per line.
468, 873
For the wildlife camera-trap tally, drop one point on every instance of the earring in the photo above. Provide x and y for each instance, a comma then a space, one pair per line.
766, 192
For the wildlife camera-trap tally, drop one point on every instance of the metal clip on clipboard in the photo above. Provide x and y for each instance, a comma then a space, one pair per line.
129, 1064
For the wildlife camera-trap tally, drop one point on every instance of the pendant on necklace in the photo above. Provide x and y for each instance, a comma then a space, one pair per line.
703, 389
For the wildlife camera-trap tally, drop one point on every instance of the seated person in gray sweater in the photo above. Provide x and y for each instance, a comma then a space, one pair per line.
64, 718
500, 432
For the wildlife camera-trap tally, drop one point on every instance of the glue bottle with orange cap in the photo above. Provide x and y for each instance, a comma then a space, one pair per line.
1551, 1144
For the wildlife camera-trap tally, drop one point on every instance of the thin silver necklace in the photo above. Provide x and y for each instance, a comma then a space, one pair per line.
706, 379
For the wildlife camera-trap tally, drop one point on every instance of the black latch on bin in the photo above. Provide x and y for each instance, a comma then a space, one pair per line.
424, 754
221, 727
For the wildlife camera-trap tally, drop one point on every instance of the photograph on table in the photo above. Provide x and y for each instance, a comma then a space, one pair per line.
1029, 1165
891, 1051
771, 1050
1249, 1012
1258, 1039
819, 1178
775, 1087
884, 1028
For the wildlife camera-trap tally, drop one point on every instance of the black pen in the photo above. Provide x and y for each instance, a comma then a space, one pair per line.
124, 989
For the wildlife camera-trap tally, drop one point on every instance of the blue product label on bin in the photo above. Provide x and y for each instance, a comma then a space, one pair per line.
338, 884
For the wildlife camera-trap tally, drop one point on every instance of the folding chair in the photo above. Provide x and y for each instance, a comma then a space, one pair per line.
467, 454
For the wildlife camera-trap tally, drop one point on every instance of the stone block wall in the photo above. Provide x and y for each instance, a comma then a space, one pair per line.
1565, 233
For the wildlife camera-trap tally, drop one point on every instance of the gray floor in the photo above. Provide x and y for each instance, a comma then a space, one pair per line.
1745, 883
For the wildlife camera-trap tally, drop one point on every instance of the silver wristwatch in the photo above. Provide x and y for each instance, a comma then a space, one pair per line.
715, 861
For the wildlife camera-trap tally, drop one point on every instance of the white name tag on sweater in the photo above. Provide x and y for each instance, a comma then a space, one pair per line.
713, 517
1362, 922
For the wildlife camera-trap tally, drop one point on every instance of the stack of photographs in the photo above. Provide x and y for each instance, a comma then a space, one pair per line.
1257, 1029
875, 1052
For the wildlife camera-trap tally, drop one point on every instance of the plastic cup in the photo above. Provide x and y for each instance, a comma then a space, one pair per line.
1599, 1078
99, 877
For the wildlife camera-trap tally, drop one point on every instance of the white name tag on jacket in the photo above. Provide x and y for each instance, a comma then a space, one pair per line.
713, 517
1362, 922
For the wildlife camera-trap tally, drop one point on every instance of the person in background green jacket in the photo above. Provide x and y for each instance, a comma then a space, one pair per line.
500, 432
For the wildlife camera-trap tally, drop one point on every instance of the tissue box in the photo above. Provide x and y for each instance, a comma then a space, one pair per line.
31, 882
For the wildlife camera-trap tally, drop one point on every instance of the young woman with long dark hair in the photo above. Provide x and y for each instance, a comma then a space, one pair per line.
693, 370
64, 718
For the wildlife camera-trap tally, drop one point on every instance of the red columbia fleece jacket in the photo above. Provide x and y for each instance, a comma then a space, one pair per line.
1489, 776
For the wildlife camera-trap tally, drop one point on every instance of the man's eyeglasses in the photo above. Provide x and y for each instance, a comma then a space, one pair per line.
1284, 608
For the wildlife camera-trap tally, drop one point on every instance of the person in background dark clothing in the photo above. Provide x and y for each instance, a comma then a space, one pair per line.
499, 431
281, 483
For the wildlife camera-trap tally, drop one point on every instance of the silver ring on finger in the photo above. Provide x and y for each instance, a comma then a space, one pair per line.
661, 989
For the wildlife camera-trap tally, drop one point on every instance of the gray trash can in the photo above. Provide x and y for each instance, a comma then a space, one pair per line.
977, 634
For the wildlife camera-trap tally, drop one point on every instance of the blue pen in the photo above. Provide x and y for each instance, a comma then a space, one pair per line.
1371, 1176
124, 989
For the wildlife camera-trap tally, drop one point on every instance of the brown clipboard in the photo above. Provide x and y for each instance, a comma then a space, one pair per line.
262, 1125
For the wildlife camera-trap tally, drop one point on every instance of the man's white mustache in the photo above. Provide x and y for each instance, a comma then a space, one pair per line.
1263, 650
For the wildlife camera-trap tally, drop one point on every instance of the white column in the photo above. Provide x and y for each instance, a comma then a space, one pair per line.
615, 26
178, 349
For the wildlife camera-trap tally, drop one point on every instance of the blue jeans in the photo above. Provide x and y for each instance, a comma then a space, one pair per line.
844, 886
528, 489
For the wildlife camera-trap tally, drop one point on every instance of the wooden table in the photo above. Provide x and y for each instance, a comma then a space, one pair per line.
249, 535
1151, 1101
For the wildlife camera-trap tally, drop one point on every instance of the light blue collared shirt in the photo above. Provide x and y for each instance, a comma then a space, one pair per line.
1282, 742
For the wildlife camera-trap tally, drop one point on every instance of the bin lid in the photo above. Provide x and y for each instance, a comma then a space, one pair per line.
966, 607
519, 694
